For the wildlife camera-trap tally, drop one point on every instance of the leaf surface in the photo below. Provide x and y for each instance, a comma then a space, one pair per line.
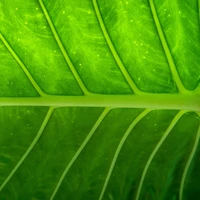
99, 99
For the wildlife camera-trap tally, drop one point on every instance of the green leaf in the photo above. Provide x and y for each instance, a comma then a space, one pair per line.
99, 99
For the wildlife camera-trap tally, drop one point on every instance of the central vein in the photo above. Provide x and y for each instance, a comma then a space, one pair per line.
152, 101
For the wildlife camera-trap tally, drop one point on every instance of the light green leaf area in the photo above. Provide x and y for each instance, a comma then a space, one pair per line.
99, 100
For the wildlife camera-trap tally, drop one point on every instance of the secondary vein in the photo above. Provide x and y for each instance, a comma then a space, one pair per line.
22, 65
62, 49
149, 161
78, 152
32, 145
198, 6
168, 54
117, 152
191, 156
113, 50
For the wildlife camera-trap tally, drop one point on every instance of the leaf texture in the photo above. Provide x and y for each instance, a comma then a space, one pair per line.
99, 99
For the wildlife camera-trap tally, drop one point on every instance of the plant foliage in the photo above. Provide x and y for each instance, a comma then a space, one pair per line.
99, 99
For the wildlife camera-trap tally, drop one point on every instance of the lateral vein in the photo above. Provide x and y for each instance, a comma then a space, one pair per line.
22, 65
117, 152
149, 161
32, 145
62, 49
118, 60
199, 11
165, 46
191, 156
78, 152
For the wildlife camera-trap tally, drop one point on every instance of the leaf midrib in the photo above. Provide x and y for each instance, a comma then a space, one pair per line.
188, 102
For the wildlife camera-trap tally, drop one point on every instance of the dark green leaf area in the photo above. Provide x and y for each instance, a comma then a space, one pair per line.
15, 139
192, 183
166, 170
134, 154
42, 169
